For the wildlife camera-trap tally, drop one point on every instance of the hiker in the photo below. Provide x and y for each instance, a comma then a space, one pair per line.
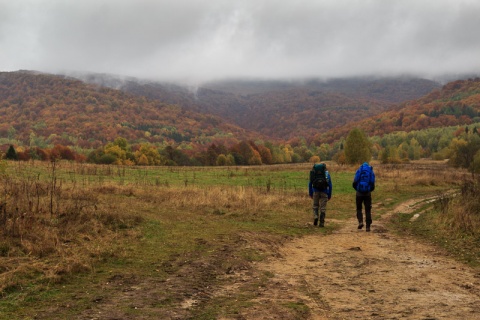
364, 184
320, 190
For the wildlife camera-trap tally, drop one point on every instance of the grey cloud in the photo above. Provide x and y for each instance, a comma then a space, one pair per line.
195, 40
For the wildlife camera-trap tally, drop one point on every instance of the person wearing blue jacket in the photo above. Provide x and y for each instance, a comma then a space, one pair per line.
320, 198
364, 184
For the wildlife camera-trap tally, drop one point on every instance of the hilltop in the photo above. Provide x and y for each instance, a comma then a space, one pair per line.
457, 103
90, 110
39, 109
281, 109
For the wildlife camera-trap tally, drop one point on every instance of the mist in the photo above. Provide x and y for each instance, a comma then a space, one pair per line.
200, 40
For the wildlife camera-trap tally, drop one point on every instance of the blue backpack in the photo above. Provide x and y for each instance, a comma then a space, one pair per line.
364, 178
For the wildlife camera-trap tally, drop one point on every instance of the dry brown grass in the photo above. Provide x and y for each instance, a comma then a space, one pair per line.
421, 174
459, 211
51, 228
461, 214
220, 198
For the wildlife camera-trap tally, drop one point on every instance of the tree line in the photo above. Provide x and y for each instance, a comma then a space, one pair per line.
120, 152
461, 145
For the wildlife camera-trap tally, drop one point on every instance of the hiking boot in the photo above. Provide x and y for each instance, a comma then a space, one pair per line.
322, 224
315, 222
360, 225
368, 228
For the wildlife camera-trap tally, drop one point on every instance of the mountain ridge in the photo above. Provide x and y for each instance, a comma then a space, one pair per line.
279, 108
39, 109
455, 103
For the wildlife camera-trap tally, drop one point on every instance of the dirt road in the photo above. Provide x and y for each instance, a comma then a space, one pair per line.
352, 274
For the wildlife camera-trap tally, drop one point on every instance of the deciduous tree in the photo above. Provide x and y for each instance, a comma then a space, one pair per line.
357, 147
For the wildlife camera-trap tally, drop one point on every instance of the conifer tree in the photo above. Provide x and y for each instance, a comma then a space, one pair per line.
11, 153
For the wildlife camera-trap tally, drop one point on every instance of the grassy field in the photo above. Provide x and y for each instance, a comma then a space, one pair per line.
68, 229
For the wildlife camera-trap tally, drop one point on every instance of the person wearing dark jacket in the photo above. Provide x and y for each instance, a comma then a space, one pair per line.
364, 184
320, 198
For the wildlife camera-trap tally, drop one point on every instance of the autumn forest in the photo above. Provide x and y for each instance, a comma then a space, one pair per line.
103, 119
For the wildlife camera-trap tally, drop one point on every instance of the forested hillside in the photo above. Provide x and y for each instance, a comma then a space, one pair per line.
151, 123
40, 109
387, 89
282, 109
456, 103
296, 112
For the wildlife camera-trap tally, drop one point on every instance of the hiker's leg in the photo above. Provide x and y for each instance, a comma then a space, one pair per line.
315, 217
359, 202
368, 210
316, 205
323, 207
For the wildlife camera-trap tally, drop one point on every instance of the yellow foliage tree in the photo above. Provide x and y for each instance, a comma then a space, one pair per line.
221, 160
314, 159
151, 154
142, 160
117, 152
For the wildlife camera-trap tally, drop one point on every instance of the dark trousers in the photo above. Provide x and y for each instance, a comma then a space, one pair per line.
365, 200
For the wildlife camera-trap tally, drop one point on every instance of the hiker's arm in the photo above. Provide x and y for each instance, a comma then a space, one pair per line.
373, 181
355, 181
330, 187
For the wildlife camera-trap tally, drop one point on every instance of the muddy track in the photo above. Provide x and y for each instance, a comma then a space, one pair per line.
349, 274
353, 274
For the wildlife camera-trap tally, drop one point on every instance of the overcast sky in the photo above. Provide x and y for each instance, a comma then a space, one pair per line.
197, 40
